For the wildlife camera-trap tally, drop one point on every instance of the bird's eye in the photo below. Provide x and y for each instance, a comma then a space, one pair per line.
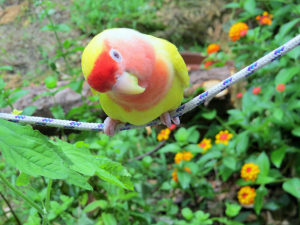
115, 55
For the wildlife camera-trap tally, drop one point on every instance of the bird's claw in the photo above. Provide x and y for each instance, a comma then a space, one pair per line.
109, 126
166, 119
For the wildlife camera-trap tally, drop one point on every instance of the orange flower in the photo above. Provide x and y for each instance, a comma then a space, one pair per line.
186, 156
208, 64
238, 30
164, 134
213, 48
246, 195
223, 137
265, 19
280, 87
249, 171
205, 144
174, 174
256, 90
239, 95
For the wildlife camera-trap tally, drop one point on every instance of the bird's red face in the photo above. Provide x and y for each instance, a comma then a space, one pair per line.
104, 73
124, 65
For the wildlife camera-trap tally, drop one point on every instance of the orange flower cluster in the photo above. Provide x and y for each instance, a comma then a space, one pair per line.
265, 19
205, 144
256, 90
164, 134
249, 171
213, 48
174, 174
246, 195
223, 137
238, 30
186, 156
280, 87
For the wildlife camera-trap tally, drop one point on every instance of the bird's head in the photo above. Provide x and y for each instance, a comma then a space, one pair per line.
118, 60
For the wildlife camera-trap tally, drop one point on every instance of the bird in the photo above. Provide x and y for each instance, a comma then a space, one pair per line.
138, 77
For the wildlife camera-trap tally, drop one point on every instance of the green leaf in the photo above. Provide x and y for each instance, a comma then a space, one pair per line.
296, 131
6, 68
51, 82
108, 219
58, 112
187, 213
282, 10
292, 186
47, 27
264, 179
63, 28
193, 134
2, 84
209, 115
17, 95
249, 6
147, 160
285, 75
76, 86
284, 29
263, 163
232, 209
93, 205
193, 148
293, 105
166, 186
67, 44
232, 5
29, 151
278, 113
170, 148
225, 172
230, 162
23, 179
278, 155
78, 180
242, 143
29, 110
181, 135
184, 178
258, 201
209, 155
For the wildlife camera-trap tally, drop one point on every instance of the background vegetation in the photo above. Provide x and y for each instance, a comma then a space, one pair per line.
238, 168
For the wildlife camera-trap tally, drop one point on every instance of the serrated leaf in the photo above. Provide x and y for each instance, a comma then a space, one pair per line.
31, 152
112, 179
78, 180
23, 179
292, 186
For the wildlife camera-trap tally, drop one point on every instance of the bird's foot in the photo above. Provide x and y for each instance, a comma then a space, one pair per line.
166, 119
109, 126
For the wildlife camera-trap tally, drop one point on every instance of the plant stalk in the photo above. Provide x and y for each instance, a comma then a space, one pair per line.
11, 209
24, 197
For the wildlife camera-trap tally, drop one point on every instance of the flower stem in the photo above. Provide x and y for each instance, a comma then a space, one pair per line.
11, 209
225, 125
48, 195
24, 197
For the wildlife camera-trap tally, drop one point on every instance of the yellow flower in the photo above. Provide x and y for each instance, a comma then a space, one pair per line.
186, 156
205, 144
249, 171
238, 30
164, 134
213, 48
174, 174
246, 195
265, 19
223, 137
17, 112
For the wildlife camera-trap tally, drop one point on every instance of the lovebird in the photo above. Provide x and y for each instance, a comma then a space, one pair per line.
138, 77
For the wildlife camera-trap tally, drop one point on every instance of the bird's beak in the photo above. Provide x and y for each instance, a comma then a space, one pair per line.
128, 84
